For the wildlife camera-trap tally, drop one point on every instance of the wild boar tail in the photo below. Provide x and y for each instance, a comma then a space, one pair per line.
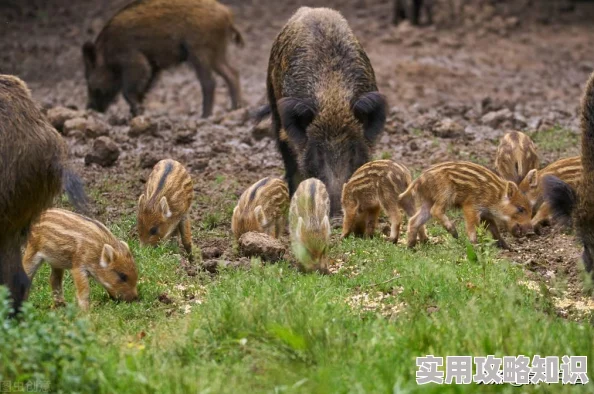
75, 191
237, 37
408, 193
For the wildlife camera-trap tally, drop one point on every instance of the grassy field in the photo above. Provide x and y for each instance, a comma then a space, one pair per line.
272, 329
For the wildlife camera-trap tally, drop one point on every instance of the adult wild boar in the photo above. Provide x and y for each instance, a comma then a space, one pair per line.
32, 168
147, 36
326, 110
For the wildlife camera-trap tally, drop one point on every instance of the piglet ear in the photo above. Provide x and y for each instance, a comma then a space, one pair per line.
532, 177
165, 207
107, 256
125, 245
326, 225
141, 201
370, 110
510, 189
296, 115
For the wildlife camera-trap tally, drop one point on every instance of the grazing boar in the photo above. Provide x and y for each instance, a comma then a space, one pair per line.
568, 170
516, 155
326, 110
374, 186
411, 10
576, 206
147, 36
309, 223
482, 195
67, 240
33, 170
164, 206
262, 208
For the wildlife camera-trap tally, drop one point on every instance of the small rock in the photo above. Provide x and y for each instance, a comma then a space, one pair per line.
200, 164
147, 159
497, 118
186, 265
117, 119
96, 128
141, 125
164, 298
57, 116
447, 128
74, 125
262, 245
413, 146
105, 152
211, 252
184, 136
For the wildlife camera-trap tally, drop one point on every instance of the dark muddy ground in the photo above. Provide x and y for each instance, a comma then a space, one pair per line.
453, 90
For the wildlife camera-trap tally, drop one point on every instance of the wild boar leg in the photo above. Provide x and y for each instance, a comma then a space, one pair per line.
438, 212
208, 84
185, 232
81, 283
360, 225
231, 77
12, 273
408, 205
417, 221
56, 278
471, 219
399, 12
348, 223
137, 76
373, 216
494, 230
542, 217
291, 168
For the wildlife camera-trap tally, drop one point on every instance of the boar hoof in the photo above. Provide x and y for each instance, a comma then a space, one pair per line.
454, 233
503, 245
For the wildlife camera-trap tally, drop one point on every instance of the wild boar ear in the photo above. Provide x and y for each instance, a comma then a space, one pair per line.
260, 217
89, 55
326, 225
296, 115
510, 189
125, 245
107, 255
370, 109
299, 230
532, 177
141, 200
165, 207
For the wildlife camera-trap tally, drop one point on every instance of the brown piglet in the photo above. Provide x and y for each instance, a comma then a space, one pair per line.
516, 155
262, 208
164, 206
482, 195
309, 224
67, 240
373, 187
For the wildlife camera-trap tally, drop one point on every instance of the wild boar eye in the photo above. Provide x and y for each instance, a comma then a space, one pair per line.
123, 277
153, 230
521, 210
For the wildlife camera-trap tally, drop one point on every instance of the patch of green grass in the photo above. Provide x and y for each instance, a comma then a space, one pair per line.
272, 329
556, 139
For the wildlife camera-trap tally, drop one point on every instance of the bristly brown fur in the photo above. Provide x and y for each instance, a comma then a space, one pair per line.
373, 187
323, 98
151, 35
163, 207
516, 155
482, 195
309, 224
69, 241
32, 161
262, 208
